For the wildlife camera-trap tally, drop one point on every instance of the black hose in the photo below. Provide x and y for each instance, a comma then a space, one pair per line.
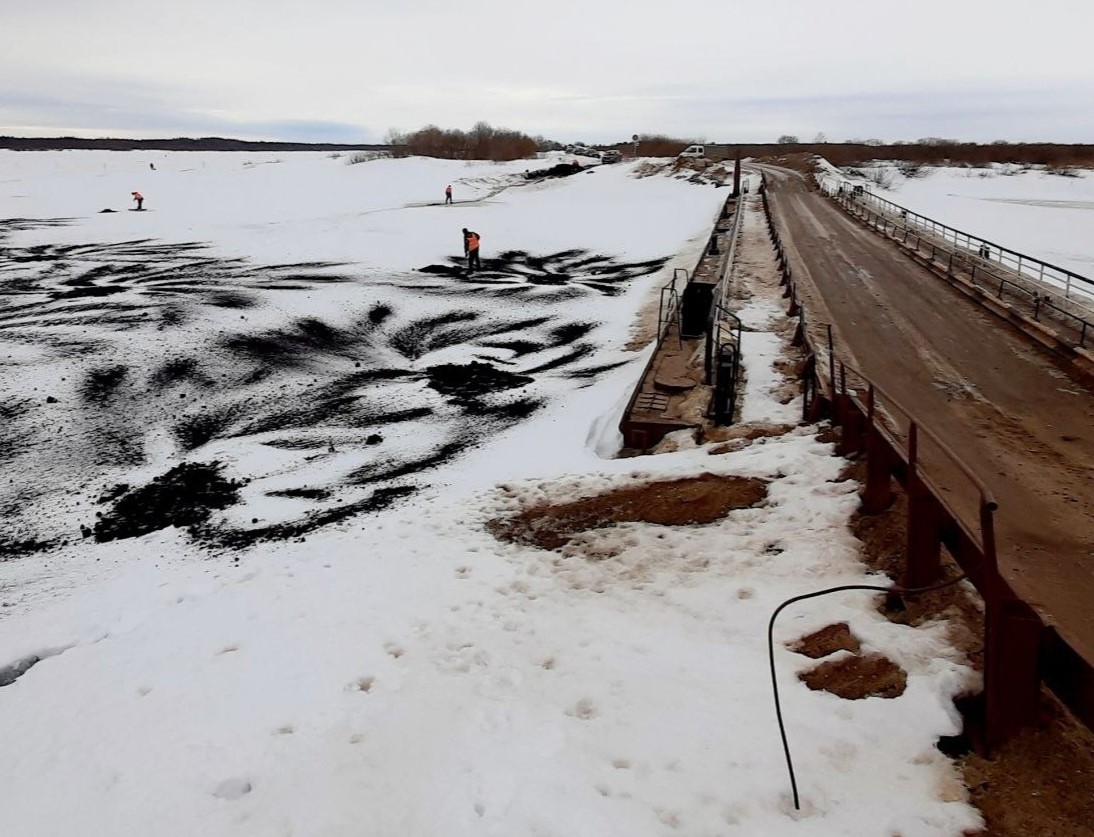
771, 649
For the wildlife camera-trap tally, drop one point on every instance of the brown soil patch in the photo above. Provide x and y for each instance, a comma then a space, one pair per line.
854, 678
682, 502
1041, 783
828, 640
747, 432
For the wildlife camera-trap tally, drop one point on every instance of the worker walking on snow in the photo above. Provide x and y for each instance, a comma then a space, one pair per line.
471, 248
448, 193
139, 198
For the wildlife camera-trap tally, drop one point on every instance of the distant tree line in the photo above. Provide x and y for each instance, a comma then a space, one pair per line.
483, 142
176, 144
928, 150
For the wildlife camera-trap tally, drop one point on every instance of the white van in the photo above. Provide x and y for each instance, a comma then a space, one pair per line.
693, 151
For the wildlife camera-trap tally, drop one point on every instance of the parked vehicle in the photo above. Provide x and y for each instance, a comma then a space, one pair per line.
611, 156
693, 151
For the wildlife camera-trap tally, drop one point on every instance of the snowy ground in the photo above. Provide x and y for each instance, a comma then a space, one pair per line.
345, 649
1033, 211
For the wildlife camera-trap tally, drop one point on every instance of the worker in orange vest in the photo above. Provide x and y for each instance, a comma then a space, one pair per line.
139, 198
448, 193
471, 247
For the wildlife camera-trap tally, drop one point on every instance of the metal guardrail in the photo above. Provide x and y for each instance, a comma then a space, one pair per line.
1075, 312
668, 307
724, 368
1073, 285
722, 363
1041, 288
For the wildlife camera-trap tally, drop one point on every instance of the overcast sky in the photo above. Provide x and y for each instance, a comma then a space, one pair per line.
599, 71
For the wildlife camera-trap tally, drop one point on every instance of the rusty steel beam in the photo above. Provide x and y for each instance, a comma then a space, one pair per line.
1012, 680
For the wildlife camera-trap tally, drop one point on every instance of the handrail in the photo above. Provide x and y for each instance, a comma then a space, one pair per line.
1028, 266
730, 263
914, 422
668, 313
719, 312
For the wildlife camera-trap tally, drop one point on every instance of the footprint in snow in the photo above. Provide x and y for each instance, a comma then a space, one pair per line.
231, 789
584, 710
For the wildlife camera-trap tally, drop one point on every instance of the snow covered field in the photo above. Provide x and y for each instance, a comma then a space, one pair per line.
335, 644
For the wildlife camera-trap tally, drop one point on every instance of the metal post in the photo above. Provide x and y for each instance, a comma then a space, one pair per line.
876, 495
831, 361
924, 545
1012, 635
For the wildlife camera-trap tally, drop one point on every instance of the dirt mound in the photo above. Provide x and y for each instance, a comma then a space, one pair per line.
855, 677
559, 170
738, 436
184, 496
243, 538
828, 640
1040, 782
102, 383
472, 379
682, 502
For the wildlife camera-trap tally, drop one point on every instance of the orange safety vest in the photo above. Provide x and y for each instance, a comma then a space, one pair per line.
473, 242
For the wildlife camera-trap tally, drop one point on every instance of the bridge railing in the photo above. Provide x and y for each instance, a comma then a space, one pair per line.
983, 268
1070, 284
668, 305
722, 362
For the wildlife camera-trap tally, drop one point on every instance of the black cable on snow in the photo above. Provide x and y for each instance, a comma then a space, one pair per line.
771, 649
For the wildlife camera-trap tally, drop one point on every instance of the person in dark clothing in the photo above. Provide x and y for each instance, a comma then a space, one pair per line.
448, 194
139, 198
471, 249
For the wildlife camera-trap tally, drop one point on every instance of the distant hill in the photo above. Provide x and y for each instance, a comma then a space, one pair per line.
177, 144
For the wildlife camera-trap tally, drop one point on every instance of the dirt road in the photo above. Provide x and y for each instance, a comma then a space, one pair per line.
1021, 418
